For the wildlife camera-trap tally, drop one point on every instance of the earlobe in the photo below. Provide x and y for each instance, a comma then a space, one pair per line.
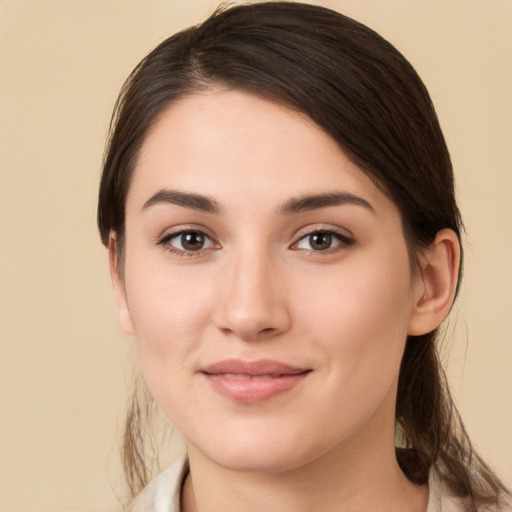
119, 288
437, 283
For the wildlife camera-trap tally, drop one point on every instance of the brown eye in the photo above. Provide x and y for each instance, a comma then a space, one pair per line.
192, 240
187, 241
319, 241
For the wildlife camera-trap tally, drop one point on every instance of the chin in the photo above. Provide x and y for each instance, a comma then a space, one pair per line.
267, 451
259, 461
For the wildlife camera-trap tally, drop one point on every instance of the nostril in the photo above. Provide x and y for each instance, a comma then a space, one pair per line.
267, 332
250, 314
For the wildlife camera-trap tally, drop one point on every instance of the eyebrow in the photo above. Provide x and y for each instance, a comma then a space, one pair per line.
185, 199
295, 205
325, 200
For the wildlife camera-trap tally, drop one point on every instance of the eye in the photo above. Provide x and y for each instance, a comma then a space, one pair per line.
187, 241
322, 241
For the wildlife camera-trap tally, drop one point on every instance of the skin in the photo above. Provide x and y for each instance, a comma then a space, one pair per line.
259, 289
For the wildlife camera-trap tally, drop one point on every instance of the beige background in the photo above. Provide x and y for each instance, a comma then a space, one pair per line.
64, 366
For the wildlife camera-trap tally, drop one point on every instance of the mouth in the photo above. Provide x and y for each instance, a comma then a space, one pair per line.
255, 381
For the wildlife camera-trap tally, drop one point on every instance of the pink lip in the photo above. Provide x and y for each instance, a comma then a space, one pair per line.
252, 382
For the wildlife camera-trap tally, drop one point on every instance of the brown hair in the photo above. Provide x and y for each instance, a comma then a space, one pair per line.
366, 95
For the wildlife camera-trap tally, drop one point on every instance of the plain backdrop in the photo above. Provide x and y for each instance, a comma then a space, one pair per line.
64, 365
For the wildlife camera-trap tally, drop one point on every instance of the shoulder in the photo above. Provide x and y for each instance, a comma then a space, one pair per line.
441, 499
162, 494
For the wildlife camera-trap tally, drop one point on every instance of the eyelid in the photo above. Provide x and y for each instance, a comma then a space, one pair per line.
171, 233
344, 237
322, 228
179, 228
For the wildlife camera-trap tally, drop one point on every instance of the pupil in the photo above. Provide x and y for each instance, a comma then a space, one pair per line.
321, 241
192, 241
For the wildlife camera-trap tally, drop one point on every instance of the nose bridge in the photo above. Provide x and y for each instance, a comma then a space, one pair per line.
254, 299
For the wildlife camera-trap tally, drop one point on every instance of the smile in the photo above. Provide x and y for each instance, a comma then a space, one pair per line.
253, 382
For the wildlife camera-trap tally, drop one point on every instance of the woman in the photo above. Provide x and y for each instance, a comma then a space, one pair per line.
277, 199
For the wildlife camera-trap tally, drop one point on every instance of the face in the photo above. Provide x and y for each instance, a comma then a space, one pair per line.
267, 284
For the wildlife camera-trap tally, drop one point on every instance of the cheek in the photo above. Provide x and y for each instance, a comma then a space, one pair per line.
169, 322
169, 313
359, 318
164, 302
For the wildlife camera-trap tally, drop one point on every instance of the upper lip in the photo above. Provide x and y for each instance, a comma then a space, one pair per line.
252, 368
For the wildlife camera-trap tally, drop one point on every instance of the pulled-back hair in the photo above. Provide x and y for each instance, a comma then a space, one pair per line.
359, 89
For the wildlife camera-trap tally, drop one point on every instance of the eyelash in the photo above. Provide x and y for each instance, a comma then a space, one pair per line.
342, 239
165, 242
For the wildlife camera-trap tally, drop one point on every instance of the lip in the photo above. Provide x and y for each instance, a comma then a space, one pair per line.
251, 382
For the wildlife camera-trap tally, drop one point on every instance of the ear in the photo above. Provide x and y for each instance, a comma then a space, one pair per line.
437, 283
119, 287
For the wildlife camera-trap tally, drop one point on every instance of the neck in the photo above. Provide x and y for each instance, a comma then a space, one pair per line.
359, 475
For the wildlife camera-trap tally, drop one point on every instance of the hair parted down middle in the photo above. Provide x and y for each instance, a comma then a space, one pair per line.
359, 89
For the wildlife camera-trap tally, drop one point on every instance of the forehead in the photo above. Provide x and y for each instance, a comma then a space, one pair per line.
236, 145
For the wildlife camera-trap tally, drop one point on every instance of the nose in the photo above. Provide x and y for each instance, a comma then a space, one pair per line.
253, 299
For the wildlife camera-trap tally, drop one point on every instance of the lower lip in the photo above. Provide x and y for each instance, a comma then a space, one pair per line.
253, 391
